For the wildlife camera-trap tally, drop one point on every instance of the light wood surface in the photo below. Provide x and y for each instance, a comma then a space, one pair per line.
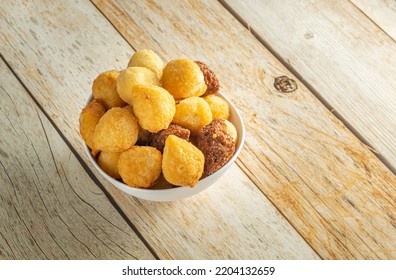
296, 151
304, 187
49, 207
232, 220
381, 12
340, 53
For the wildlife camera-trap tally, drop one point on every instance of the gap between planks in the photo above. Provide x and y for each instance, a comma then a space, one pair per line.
136, 210
239, 162
372, 20
313, 98
321, 99
82, 163
134, 14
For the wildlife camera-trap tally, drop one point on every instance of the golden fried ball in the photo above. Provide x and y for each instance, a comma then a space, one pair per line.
231, 130
140, 166
134, 76
182, 163
218, 106
116, 131
193, 113
148, 59
183, 78
104, 88
108, 161
89, 118
153, 106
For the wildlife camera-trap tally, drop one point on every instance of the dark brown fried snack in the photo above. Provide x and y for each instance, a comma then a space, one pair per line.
216, 144
210, 78
157, 140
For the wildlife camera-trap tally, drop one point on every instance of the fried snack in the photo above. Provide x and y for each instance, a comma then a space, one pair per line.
148, 59
89, 118
216, 144
104, 88
134, 76
210, 78
157, 140
144, 135
140, 166
218, 106
153, 106
183, 78
116, 131
109, 163
193, 113
231, 130
182, 163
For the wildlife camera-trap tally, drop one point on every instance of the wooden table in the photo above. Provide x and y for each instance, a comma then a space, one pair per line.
315, 180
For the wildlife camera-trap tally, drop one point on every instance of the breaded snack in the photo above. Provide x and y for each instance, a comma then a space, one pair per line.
182, 163
216, 144
183, 78
210, 78
104, 88
148, 59
157, 140
218, 106
108, 161
144, 135
231, 130
153, 106
89, 118
116, 131
140, 166
193, 113
134, 76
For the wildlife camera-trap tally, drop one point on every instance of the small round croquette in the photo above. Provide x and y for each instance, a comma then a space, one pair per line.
210, 78
216, 144
157, 140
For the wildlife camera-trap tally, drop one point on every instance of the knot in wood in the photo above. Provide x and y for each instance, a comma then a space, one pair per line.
285, 84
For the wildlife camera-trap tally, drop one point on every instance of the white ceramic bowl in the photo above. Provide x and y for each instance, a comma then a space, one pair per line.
178, 193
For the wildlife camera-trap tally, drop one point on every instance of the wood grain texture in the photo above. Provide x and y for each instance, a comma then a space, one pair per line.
346, 58
382, 12
57, 60
333, 190
49, 207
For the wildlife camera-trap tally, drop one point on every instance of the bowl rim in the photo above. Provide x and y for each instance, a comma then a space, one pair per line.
201, 183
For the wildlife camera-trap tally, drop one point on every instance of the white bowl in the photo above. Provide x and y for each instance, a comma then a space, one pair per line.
178, 193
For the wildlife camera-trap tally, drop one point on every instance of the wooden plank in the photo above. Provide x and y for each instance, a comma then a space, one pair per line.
341, 54
382, 12
333, 190
57, 60
49, 207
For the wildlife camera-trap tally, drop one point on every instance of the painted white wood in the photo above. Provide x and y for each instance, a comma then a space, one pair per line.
57, 57
341, 53
49, 207
330, 187
382, 12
